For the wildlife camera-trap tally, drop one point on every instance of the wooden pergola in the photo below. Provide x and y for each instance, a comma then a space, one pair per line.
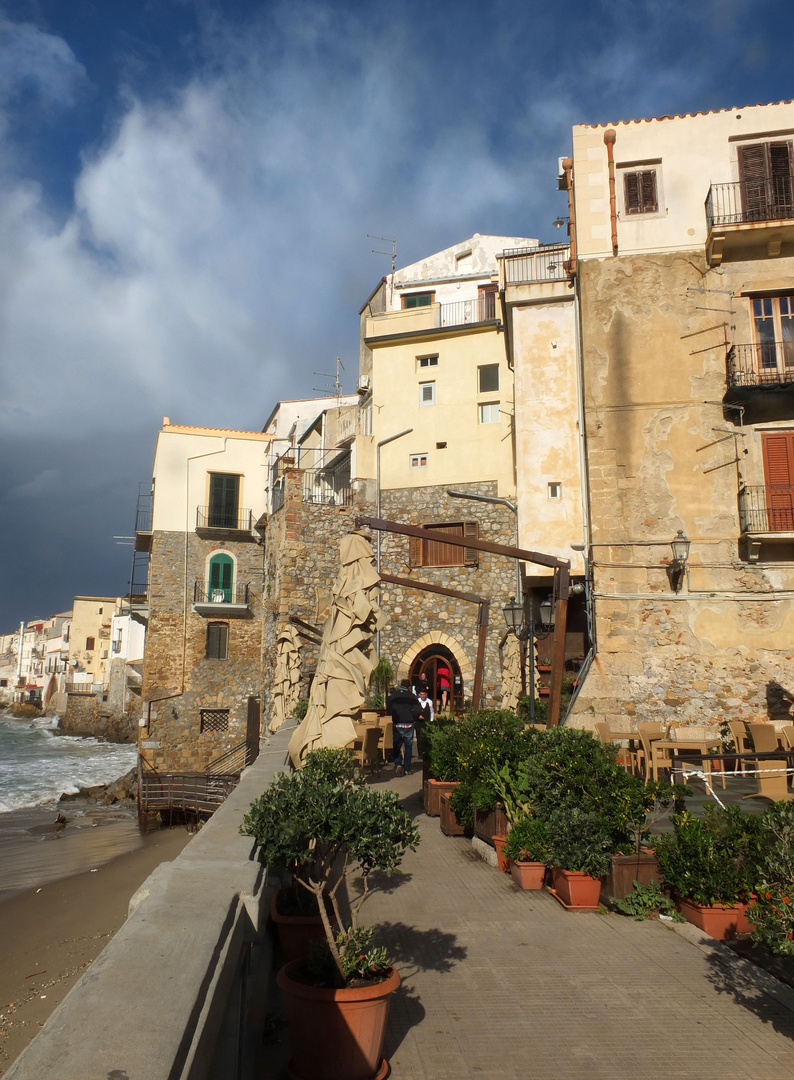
562, 579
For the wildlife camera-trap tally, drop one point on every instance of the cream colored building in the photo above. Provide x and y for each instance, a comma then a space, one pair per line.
89, 639
683, 253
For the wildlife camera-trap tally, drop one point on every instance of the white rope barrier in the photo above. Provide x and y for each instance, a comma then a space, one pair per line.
706, 776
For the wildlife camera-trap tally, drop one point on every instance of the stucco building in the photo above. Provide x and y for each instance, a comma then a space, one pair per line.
683, 255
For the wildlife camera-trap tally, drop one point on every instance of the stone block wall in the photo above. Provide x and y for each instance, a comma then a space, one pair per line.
176, 669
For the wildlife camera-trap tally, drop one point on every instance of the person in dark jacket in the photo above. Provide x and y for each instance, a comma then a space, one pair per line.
403, 707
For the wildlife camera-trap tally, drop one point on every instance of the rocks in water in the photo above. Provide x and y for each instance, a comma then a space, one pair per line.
124, 790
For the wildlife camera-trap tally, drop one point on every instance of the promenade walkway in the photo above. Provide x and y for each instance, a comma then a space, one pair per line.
506, 985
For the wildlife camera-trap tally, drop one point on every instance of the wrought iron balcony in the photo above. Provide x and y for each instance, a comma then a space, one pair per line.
746, 201
210, 517
529, 266
478, 310
767, 508
205, 593
769, 364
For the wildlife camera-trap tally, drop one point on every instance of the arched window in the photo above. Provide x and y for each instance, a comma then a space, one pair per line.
220, 582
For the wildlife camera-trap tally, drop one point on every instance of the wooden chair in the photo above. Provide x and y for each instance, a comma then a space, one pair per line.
788, 735
698, 731
605, 734
386, 739
648, 762
772, 777
369, 746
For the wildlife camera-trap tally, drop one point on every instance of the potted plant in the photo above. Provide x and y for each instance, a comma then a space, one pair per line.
439, 750
712, 866
528, 852
330, 825
579, 850
771, 914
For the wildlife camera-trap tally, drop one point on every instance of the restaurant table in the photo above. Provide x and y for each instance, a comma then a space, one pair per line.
701, 746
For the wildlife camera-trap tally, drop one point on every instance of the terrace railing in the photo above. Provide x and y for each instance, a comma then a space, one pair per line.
767, 508
527, 266
205, 593
210, 517
478, 310
768, 364
745, 201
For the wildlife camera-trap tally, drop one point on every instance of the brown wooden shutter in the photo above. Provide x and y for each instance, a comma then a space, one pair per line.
648, 188
470, 532
414, 551
753, 175
440, 554
778, 449
631, 184
780, 172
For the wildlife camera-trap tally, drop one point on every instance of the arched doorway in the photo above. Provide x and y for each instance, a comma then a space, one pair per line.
436, 665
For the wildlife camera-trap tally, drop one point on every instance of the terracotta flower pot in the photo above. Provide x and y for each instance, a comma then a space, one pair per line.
295, 932
715, 920
432, 791
336, 1034
576, 889
528, 875
502, 861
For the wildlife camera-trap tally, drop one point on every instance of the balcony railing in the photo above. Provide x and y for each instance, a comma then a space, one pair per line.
479, 310
209, 517
747, 201
328, 487
143, 510
204, 593
767, 508
769, 364
528, 266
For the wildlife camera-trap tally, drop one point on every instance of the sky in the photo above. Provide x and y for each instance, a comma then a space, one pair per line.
187, 189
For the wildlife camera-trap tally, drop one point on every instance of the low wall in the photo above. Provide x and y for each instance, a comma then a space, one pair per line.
180, 992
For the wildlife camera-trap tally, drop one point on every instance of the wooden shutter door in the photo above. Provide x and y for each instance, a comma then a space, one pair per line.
778, 448
648, 189
753, 176
631, 191
780, 175
470, 532
440, 554
414, 551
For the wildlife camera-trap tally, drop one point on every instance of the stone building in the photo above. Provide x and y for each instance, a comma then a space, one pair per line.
683, 254
202, 673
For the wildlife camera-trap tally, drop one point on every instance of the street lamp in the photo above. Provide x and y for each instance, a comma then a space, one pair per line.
680, 545
528, 631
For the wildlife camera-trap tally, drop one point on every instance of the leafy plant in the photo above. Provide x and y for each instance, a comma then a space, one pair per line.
484, 740
300, 708
324, 824
772, 912
713, 861
541, 710
511, 788
645, 901
579, 840
378, 701
383, 675
527, 841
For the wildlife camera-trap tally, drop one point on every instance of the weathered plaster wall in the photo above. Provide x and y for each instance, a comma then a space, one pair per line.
662, 456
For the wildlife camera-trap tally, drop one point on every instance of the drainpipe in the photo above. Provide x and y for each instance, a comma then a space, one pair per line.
609, 138
567, 168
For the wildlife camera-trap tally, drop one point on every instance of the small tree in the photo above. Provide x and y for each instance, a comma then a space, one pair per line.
383, 675
325, 824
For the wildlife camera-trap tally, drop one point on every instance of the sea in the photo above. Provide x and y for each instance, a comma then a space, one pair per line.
37, 766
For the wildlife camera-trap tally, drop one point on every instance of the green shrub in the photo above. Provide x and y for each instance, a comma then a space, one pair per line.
483, 741
300, 708
579, 840
713, 861
773, 910
646, 900
528, 841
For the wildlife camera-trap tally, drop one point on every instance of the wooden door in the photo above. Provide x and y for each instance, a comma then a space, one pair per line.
778, 450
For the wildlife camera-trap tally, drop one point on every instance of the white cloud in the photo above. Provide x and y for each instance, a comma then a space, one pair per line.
33, 59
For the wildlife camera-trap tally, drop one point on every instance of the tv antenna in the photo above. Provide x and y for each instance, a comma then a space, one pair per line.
393, 253
336, 386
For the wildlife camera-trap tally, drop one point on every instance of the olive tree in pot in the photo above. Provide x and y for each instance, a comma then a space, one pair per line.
580, 845
331, 826
528, 852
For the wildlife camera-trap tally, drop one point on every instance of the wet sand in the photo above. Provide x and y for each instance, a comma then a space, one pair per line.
50, 934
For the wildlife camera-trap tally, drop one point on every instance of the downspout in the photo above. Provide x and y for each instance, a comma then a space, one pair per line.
609, 138
567, 168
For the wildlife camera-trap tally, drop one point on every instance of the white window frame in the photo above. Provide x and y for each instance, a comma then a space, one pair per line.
423, 362
488, 412
554, 490
426, 398
418, 461
622, 168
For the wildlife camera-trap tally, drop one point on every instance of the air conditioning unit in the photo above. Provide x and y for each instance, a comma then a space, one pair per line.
363, 384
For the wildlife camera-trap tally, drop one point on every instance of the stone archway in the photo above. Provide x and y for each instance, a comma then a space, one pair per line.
436, 638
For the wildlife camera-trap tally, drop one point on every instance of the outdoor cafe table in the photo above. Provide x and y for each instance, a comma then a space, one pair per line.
693, 757
675, 746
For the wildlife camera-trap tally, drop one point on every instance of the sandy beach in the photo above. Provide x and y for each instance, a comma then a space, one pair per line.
50, 934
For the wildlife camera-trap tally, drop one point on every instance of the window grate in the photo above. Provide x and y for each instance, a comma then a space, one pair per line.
214, 719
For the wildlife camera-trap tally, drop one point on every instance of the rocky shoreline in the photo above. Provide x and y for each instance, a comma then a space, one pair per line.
123, 790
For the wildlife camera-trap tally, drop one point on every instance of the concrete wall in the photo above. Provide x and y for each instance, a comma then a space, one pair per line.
181, 989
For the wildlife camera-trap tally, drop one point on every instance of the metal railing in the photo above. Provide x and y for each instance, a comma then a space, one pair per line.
769, 364
328, 487
479, 310
72, 687
767, 508
205, 593
209, 517
746, 201
143, 510
198, 793
527, 266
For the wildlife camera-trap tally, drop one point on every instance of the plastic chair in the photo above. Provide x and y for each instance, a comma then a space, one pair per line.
788, 735
772, 776
699, 731
368, 754
738, 730
647, 763
386, 739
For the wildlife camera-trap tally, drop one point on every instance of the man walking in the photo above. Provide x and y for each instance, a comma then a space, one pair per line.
403, 707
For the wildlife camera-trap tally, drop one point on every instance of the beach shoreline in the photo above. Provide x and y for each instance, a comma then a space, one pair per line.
51, 932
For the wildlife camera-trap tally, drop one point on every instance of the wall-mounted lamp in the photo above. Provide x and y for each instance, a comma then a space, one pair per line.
514, 617
559, 222
680, 545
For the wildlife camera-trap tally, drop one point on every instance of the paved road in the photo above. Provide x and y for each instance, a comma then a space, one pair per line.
506, 985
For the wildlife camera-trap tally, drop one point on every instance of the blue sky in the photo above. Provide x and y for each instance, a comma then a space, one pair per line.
186, 189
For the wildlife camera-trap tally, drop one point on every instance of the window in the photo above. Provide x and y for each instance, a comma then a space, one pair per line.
224, 501
773, 327
426, 362
489, 413
778, 453
214, 719
639, 192
427, 393
487, 298
434, 552
418, 299
220, 588
90, 644
765, 173
217, 641
418, 461
555, 490
488, 378
441, 446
